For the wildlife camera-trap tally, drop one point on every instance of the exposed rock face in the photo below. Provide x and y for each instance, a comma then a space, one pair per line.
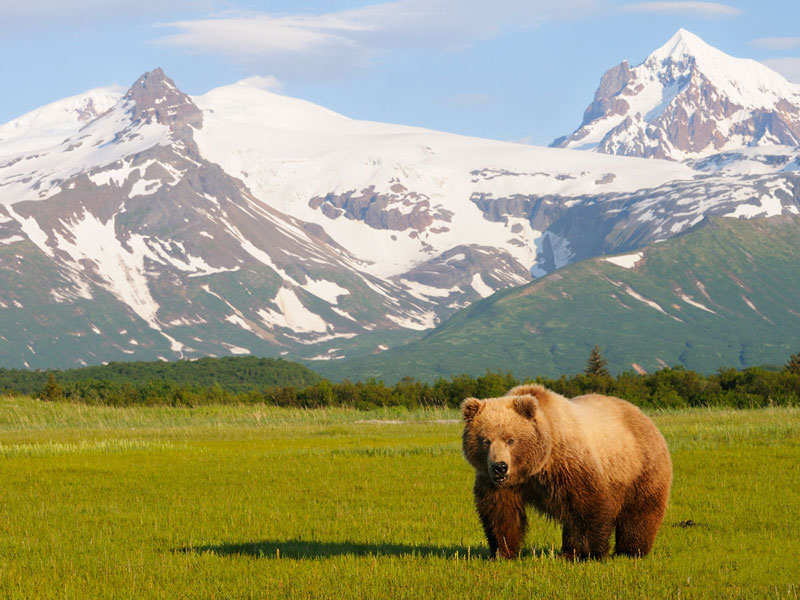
607, 100
465, 273
87, 111
155, 98
576, 228
399, 210
688, 99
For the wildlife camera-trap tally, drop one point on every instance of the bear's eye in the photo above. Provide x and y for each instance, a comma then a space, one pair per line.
510, 442
486, 443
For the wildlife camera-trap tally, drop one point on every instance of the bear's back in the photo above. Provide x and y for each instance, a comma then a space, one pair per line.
618, 435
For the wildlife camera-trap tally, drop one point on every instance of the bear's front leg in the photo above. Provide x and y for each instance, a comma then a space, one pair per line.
502, 514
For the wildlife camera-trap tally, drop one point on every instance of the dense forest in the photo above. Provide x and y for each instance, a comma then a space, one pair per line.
250, 380
235, 374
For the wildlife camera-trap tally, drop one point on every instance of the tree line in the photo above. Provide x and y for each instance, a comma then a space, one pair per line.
673, 387
234, 373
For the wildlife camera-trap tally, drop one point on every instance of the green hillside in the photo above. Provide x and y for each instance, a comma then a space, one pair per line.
233, 374
724, 294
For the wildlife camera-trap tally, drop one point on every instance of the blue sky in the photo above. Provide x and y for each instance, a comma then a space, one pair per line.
520, 70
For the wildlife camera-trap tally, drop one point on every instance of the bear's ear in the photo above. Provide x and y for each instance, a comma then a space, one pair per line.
526, 406
470, 408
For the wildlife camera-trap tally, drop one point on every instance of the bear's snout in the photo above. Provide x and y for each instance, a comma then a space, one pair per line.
498, 461
500, 471
500, 468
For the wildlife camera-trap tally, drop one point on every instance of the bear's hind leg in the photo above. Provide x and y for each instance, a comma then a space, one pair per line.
579, 543
574, 543
600, 539
636, 530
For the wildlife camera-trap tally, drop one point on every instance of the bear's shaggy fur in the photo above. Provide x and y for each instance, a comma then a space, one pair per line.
595, 463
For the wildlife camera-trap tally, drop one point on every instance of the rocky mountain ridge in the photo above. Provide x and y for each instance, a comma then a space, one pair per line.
688, 99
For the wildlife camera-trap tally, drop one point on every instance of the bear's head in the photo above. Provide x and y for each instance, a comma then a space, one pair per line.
506, 439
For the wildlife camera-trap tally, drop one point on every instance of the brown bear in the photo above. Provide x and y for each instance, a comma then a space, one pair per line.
596, 464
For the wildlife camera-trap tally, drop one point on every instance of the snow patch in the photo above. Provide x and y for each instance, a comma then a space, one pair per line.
633, 294
689, 300
11, 240
426, 292
237, 320
30, 227
327, 290
770, 206
238, 350
484, 291
292, 314
750, 304
627, 261
417, 323
122, 273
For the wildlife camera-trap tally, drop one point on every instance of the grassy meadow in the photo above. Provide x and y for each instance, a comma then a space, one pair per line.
263, 502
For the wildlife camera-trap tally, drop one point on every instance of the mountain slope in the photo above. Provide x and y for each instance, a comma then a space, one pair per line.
124, 241
397, 196
723, 295
686, 99
244, 222
51, 124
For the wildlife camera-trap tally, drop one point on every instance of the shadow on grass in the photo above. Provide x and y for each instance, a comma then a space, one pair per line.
311, 549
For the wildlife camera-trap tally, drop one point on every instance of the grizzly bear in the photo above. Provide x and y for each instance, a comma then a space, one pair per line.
596, 464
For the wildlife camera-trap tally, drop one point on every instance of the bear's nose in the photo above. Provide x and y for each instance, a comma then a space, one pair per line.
500, 468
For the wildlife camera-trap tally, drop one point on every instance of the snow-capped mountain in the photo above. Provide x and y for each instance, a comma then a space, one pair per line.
154, 224
124, 234
688, 99
51, 124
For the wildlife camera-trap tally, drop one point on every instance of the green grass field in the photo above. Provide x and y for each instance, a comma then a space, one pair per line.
259, 502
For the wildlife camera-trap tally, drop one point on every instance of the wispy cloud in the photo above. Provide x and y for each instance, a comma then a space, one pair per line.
707, 10
339, 41
789, 67
777, 43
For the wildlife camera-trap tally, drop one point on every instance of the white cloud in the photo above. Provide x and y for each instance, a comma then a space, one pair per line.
777, 43
248, 35
788, 67
709, 10
331, 42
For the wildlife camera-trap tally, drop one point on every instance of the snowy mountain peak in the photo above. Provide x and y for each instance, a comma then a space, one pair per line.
746, 82
687, 99
246, 102
683, 43
156, 98
54, 122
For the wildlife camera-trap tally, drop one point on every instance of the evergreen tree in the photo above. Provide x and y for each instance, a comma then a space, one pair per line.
52, 392
596, 365
793, 366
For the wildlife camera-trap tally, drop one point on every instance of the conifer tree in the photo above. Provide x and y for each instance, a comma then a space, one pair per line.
596, 365
52, 392
793, 366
